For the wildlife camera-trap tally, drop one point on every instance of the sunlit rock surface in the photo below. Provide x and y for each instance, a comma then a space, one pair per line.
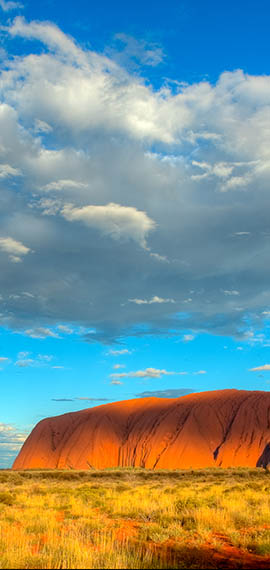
222, 428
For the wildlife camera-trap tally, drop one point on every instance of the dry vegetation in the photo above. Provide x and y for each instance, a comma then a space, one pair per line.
133, 518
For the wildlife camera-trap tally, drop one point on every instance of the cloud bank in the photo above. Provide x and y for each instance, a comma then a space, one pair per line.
129, 210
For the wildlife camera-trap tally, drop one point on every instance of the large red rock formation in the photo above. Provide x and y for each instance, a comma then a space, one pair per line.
222, 428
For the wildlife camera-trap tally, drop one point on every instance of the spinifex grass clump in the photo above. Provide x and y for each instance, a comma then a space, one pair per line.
134, 518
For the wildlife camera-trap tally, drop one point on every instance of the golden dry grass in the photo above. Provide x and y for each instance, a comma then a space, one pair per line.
133, 518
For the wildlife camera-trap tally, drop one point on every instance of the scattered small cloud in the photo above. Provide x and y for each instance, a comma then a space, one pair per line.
116, 383
42, 127
263, 367
154, 299
6, 171
159, 257
147, 373
64, 184
200, 372
37, 361
169, 393
188, 337
117, 366
15, 249
132, 52
25, 363
8, 5
65, 329
230, 293
4, 359
11, 440
23, 354
241, 234
45, 357
41, 332
94, 399
119, 352
62, 399
86, 399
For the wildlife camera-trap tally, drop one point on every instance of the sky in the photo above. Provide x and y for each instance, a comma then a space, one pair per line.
134, 204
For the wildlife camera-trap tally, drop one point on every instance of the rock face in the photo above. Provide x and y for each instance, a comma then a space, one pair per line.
222, 428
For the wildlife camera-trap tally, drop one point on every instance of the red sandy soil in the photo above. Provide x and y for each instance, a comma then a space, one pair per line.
221, 428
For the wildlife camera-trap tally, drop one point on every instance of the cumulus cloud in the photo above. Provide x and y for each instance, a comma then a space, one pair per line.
126, 196
15, 249
263, 367
112, 219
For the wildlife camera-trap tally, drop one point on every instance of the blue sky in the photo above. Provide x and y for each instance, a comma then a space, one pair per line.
134, 215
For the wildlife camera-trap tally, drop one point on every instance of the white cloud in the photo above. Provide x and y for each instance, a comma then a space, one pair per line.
231, 293
147, 373
42, 127
263, 367
8, 5
188, 337
6, 170
25, 363
47, 33
65, 329
4, 359
41, 332
23, 354
15, 249
135, 51
116, 383
11, 440
112, 219
64, 184
154, 299
201, 372
45, 357
117, 366
97, 172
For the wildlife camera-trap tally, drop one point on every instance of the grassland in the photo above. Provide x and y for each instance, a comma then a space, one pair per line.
134, 518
